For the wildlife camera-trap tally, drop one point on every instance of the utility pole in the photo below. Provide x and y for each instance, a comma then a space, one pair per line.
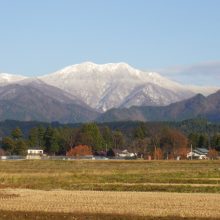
191, 152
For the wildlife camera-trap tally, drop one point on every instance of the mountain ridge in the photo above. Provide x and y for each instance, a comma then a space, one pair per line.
26, 103
108, 85
197, 106
88, 89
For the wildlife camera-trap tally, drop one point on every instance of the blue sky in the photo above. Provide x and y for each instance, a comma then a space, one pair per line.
39, 37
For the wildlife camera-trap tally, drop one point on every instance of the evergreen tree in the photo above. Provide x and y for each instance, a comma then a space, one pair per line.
107, 137
91, 136
215, 140
17, 133
118, 139
21, 148
33, 137
193, 139
51, 142
203, 141
140, 132
8, 144
41, 134
67, 139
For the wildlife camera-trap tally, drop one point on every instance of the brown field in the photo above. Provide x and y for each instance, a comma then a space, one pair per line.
148, 204
109, 190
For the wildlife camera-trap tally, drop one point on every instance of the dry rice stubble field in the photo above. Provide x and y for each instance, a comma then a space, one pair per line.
112, 176
154, 204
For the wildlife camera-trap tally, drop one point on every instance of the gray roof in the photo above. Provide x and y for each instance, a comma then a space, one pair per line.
201, 151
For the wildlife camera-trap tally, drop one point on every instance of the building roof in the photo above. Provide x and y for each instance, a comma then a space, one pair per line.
201, 151
35, 148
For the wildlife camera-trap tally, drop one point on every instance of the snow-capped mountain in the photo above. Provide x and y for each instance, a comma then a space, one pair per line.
106, 86
116, 85
6, 78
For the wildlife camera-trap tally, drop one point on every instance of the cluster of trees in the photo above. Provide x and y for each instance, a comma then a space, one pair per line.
160, 142
155, 140
203, 139
57, 141
14, 144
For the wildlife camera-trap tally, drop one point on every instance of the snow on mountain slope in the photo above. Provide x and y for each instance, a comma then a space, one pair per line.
106, 86
203, 89
151, 95
36, 101
116, 85
6, 78
52, 91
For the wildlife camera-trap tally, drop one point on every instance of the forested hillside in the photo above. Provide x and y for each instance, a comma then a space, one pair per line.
170, 137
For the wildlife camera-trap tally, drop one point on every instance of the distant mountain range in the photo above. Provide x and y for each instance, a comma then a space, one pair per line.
38, 101
108, 92
197, 106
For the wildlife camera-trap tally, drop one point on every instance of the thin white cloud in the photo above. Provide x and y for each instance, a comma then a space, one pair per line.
206, 74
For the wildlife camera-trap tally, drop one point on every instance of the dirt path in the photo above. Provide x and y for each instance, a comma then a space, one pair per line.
152, 184
133, 203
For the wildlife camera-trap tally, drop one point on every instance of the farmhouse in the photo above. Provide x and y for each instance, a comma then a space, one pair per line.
125, 154
34, 153
198, 153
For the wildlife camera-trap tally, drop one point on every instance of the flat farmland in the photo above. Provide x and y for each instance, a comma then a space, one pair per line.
136, 204
165, 176
109, 189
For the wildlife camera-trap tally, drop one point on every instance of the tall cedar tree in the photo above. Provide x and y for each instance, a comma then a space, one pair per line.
51, 142
17, 133
90, 135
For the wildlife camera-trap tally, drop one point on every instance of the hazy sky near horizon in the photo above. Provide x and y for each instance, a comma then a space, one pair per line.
39, 37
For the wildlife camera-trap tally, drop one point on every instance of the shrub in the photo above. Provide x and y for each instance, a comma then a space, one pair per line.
80, 150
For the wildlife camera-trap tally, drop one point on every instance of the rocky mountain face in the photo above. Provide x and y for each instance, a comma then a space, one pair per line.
197, 106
